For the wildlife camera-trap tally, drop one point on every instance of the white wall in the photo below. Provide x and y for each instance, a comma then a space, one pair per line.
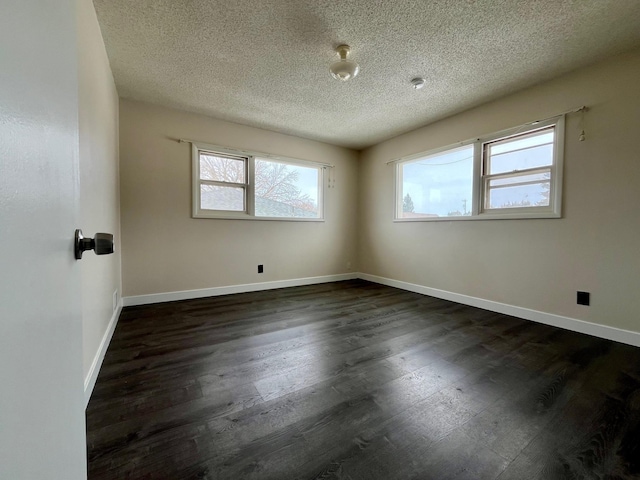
165, 250
99, 182
535, 264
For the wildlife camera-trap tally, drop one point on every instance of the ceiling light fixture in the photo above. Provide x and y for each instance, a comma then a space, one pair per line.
418, 82
344, 69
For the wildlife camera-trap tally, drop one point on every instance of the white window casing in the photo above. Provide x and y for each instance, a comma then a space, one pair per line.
496, 172
273, 188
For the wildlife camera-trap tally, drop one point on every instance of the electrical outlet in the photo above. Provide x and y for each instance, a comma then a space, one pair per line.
583, 298
115, 300
348, 265
260, 268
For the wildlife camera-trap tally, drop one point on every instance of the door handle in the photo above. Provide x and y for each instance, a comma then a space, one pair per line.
101, 244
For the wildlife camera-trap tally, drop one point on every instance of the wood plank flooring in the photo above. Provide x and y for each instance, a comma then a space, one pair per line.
354, 380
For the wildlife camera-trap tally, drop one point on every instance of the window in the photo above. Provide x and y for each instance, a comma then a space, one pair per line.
512, 174
223, 181
231, 184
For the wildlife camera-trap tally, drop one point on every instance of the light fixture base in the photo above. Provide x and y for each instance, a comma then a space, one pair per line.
418, 82
343, 51
344, 69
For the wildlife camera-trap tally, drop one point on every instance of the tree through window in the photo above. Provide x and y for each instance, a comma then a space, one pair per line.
229, 184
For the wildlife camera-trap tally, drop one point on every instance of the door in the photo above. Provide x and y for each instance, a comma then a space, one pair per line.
41, 388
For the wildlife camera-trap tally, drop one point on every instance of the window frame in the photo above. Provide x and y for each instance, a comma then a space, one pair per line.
244, 186
479, 178
250, 158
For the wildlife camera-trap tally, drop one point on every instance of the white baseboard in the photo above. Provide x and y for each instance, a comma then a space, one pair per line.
216, 291
568, 323
92, 375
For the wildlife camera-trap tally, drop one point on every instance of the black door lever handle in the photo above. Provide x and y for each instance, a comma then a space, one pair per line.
102, 244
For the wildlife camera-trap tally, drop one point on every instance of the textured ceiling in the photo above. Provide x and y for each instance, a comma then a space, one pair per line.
265, 63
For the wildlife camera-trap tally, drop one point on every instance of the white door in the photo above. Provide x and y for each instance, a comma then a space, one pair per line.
41, 389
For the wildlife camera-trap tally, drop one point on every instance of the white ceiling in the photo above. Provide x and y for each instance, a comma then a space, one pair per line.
265, 63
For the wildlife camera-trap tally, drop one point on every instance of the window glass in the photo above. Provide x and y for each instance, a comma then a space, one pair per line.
518, 191
286, 190
222, 168
439, 185
216, 197
520, 153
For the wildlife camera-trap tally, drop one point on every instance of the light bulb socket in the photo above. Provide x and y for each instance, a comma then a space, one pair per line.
343, 51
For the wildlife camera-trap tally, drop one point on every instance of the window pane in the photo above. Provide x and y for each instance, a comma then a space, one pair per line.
519, 191
284, 190
222, 169
521, 153
439, 185
216, 197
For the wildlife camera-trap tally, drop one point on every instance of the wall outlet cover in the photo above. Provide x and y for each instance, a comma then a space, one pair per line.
583, 298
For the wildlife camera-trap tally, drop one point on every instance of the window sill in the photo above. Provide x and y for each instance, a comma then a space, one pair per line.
483, 216
249, 217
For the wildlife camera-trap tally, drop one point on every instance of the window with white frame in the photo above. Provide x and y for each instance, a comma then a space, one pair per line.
232, 184
223, 181
511, 174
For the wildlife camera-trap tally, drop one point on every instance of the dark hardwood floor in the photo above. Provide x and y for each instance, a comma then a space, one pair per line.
353, 380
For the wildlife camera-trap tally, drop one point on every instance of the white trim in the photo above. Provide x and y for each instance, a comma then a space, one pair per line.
92, 375
568, 323
229, 289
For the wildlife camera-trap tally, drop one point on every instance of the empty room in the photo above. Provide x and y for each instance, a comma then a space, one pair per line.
320, 240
